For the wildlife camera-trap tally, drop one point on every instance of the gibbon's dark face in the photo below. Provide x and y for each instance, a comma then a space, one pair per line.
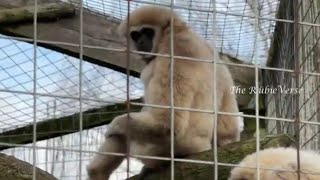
143, 41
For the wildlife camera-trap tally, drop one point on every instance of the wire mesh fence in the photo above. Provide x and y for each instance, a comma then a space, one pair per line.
283, 104
64, 86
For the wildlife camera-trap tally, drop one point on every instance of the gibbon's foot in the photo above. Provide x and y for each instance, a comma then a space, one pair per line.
94, 175
145, 172
118, 126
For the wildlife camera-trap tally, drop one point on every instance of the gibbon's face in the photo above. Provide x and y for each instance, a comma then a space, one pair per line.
143, 39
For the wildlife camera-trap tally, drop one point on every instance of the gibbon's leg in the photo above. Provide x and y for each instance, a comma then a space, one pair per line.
145, 172
142, 124
101, 166
158, 165
151, 165
228, 125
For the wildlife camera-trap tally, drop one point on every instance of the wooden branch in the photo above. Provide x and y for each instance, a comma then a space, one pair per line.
46, 12
64, 125
232, 153
15, 169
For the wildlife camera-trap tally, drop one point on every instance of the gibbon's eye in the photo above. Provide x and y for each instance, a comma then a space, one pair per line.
135, 35
149, 32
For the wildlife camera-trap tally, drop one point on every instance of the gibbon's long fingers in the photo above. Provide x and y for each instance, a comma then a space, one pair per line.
101, 166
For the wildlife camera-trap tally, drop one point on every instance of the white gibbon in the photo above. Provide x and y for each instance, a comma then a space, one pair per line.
279, 164
149, 31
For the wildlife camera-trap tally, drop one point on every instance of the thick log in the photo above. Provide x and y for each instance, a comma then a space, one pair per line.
15, 169
232, 153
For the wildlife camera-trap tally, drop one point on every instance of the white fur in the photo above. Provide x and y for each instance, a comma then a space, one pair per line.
280, 164
192, 88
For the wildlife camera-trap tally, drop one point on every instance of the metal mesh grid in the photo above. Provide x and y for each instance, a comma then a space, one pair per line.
54, 157
57, 76
237, 39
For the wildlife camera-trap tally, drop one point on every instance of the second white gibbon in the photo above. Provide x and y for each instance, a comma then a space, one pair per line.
279, 164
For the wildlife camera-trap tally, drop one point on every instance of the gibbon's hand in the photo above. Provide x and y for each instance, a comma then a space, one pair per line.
118, 126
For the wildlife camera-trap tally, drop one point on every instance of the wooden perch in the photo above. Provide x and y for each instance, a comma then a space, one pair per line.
65, 125
46, 12
15, 169
232, 153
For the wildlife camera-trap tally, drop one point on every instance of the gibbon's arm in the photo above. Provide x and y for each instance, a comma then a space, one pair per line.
156, 121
